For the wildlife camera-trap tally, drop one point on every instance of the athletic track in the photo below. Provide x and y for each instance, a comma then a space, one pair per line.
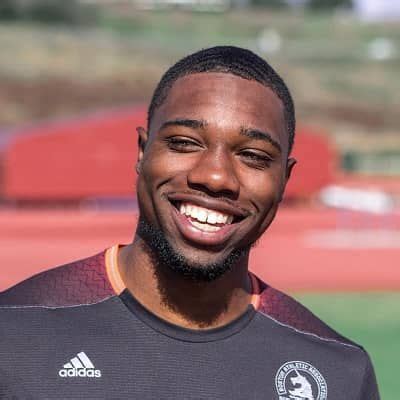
305, 249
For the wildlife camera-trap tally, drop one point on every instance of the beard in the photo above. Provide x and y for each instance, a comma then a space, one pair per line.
167, 257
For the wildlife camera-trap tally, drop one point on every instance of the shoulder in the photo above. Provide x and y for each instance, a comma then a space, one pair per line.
79, 282
288, 312
307, 332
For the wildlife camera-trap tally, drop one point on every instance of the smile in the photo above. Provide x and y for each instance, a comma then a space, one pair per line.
205, 219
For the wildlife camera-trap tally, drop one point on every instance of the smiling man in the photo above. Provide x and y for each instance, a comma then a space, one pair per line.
176, 314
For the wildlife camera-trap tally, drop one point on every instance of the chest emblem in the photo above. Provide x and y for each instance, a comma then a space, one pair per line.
79, 366
299, 380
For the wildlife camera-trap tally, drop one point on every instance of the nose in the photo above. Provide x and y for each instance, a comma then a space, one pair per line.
215, 174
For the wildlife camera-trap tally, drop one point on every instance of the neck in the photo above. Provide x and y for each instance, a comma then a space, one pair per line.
179, 300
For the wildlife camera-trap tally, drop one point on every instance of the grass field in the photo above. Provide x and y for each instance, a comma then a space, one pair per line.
371, 319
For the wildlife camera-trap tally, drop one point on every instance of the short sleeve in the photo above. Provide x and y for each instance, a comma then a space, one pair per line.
369, 388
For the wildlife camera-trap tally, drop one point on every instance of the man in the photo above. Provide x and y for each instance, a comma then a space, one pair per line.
176, 314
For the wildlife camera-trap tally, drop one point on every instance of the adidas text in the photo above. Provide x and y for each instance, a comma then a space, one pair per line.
82, 373
79, 367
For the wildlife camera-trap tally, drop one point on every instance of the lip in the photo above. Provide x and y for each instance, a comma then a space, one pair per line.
212, 204
195, 235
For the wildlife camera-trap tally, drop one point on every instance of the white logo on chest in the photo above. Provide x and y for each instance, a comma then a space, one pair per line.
299, 380
79, 367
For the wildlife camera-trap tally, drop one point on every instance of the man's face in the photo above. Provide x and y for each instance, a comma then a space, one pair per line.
213, 168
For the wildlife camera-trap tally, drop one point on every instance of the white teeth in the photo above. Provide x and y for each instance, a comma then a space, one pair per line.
202, 215
212, 218
206, 216
205, 227
221, 219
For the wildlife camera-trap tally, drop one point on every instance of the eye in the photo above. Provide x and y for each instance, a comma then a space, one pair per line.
182, 144
256, 159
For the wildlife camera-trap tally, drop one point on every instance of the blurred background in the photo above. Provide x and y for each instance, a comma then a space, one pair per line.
75, 79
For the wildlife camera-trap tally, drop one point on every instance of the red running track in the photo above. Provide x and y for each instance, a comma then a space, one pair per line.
305, 249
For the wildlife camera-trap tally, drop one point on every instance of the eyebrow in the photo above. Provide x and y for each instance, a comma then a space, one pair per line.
188, 123
201, 124
259, 135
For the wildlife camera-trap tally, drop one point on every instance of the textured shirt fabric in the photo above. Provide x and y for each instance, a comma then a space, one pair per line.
67, 334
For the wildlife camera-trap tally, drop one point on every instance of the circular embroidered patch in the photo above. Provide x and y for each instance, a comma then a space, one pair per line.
299, 380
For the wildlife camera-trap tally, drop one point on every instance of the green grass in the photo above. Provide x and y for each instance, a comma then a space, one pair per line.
370, 319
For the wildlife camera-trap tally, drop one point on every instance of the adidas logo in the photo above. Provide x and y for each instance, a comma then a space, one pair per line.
79, 366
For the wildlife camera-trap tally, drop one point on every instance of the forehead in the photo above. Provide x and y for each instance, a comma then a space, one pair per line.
226, 101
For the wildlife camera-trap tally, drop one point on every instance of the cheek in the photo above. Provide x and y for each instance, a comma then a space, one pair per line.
162, 165
264, 190
151, 174
158, 169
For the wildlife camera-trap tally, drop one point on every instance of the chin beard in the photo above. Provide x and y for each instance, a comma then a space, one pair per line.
167, 257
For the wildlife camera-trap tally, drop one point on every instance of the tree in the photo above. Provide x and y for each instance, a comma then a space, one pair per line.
9, 10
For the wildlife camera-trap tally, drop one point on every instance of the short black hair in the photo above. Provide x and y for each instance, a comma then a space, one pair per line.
233, 60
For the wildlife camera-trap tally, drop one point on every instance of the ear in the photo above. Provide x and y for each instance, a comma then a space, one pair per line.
142, 141
291, 162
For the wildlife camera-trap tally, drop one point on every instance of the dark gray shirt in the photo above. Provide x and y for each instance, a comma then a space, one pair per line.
65, 334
